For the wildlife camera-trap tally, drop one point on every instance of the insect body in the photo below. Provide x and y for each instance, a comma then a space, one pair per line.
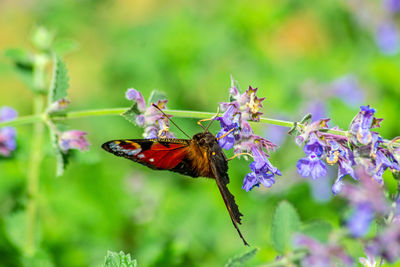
199, 156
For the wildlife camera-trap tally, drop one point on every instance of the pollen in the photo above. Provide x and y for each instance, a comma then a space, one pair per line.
213, 153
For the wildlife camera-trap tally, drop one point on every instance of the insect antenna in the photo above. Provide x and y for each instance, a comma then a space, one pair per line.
211, 121
154, 105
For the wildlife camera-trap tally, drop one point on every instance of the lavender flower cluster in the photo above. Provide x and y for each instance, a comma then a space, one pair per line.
155, 124
236, 132
363, 147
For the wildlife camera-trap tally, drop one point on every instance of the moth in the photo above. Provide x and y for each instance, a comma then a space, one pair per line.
200, 156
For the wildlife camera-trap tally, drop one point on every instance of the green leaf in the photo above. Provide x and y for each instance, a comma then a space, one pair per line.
241, 259
39, 259
318, 230
15, 226
286, 221
60, 80
23, 63
65, 46
15, 229
155, 96
131, 113
115, 259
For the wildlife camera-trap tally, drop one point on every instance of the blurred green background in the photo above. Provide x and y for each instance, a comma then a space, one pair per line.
293, 51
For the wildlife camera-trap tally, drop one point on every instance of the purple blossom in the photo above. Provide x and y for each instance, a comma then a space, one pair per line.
263, 172
387, 244
237, 133
392, 6
322, 255
73, 139
137, 97
154, 122
344, 158
360, 126
312, 164
360, 220
367, 198
7, 134
7, 113
387, 38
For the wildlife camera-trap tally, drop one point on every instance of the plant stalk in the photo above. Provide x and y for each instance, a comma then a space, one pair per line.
34, 174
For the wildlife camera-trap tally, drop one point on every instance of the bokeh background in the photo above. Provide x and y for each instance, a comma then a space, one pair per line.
324, 57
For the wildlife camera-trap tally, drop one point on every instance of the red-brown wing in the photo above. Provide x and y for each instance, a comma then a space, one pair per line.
160, 154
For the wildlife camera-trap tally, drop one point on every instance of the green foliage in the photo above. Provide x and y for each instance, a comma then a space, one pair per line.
131, 114
318, 230
115, 259
286, 221
23, 64
155, 96
60, 81
240, 260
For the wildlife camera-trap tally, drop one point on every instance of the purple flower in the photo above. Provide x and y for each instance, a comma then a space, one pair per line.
262, 171
7, 114
312, 164
154, 122
367, 199
344, 158
322, 255
387, 38
392, 6
7, 134
227, 141
387, 244
73, 139
360, 126
360, 220
236, 132
7, 141
137, 97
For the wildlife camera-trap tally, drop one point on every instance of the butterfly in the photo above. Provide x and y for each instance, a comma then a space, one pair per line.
200, 156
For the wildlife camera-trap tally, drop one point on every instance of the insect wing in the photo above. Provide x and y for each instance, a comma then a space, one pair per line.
222, 180
160, 154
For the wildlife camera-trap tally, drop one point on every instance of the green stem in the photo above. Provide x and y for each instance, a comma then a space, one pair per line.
33, 174
117, 111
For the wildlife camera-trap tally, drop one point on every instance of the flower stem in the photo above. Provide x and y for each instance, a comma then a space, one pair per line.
33, 174
117, 111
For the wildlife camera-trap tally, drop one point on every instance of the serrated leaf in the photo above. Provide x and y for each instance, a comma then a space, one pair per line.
286, 221
155, 96
60, 80
241, 259
318, 230
131, 113
115, 259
